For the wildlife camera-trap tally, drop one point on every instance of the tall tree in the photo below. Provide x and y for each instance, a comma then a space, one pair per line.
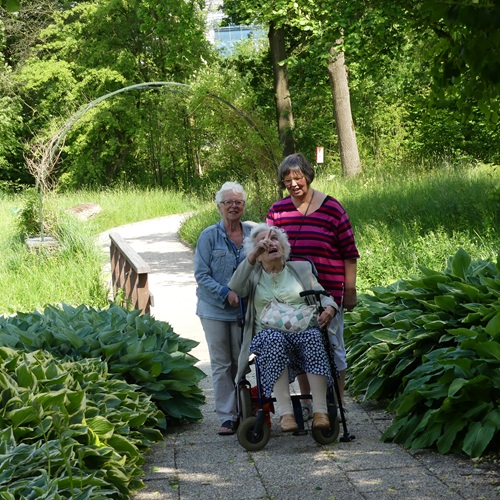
317, 23
348, 146
325, 25
11, 147
284, 114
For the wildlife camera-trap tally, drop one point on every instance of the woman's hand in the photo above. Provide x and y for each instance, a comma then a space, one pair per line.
233, 299
325, 318
261, 247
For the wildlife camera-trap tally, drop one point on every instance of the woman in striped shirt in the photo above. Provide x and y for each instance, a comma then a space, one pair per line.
319, 229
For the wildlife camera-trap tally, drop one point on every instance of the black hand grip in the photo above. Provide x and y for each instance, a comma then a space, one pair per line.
317, 293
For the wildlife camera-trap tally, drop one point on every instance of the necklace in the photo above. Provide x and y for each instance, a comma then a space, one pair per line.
303, 218
309, 204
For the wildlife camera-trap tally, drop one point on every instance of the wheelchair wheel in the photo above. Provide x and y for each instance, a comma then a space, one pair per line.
251, 440
327, 436
245, 402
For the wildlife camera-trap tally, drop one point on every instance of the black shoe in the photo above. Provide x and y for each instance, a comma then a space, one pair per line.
228, 428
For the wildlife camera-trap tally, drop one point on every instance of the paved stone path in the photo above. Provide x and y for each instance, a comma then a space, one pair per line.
194, 462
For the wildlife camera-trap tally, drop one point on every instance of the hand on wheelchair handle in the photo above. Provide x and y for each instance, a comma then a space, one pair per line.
325, 318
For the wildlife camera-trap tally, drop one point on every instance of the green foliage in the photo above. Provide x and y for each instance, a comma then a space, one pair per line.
31, 210
138, 349
11, 5
72, 273
223, 107
62, 58
76, 61
402, 222
468, 51
430, 344
393, 51
10, 122
69, 427
28, 217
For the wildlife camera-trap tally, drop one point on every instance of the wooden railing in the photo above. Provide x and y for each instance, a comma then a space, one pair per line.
129, 274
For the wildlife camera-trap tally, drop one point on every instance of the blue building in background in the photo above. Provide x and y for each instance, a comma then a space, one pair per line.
226, 37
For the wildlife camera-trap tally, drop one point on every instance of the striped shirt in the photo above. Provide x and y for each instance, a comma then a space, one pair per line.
325, 236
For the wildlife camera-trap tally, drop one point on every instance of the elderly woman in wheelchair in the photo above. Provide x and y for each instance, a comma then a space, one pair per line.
283, 328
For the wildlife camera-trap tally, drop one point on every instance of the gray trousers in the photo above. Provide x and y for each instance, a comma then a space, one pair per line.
336, 334
224, 343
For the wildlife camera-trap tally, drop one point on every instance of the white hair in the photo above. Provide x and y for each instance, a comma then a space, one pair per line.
233, 187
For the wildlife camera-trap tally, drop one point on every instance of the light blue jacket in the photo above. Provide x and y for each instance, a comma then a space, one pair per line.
215, 260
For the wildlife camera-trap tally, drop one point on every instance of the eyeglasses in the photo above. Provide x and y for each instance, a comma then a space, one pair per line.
228, 203
288, 182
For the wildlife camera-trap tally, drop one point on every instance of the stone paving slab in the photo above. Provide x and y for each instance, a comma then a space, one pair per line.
194, 462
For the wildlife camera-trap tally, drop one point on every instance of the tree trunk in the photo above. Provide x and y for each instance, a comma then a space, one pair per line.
284, 115
348, 147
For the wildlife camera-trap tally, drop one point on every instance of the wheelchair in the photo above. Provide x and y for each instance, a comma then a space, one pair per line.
254, 430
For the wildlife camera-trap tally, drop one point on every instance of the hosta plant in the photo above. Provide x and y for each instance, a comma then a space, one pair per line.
136, 348
430, 347
70, 430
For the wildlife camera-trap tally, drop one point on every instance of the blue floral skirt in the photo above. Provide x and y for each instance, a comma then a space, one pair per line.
301, 352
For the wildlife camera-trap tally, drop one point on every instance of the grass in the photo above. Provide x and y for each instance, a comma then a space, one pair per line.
420, 220
32, 279
73, 273
401, 223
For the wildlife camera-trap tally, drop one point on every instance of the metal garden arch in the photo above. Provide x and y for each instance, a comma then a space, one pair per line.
48, 154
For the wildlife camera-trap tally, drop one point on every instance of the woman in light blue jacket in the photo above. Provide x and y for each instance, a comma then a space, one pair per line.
219, 251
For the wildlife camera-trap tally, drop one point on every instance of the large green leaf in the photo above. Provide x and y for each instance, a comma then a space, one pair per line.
101, 426
387, 335
446, 302
489, 349
478, 437
123, 446
473, 292
53, 400
452, 427
436, 325
428, 436
460, 263
23, 416
374, 389
493, 326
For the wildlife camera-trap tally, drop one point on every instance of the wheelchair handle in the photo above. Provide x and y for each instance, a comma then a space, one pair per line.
316, 293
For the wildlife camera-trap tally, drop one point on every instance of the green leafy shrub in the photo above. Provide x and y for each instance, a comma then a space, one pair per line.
70, 429
137, 349
430, 346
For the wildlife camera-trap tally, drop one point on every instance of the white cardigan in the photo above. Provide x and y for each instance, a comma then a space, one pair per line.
244, 282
